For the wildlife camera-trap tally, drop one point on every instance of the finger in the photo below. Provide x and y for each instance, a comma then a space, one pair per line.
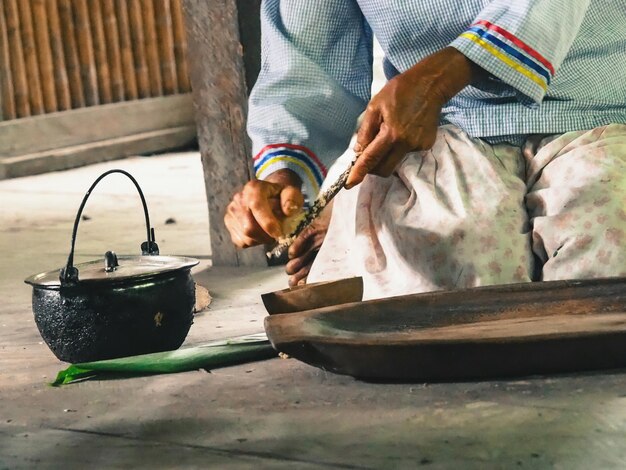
300, 245
242, 226
296, 264
370, 158
238, 202
235, 234
368, 129
388, 164
291, 200
276, 209
274, 204
252, 231
303, 242
230, 219
301, 275
258, 198
238, 234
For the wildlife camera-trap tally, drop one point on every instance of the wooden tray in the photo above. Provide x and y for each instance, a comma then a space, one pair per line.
510, 330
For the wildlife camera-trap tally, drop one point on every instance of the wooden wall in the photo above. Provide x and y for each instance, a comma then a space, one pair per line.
84, 81
57, 55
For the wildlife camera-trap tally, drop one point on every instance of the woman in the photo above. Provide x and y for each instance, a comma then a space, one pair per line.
495, 153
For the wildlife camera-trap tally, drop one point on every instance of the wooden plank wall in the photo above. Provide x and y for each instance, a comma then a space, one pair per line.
57, 55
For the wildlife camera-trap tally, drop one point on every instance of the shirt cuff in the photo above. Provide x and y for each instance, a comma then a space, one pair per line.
297, 158
508, 58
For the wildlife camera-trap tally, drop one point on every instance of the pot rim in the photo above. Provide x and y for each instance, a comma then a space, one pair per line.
51, 280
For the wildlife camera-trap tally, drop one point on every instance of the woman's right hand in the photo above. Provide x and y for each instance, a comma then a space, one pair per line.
254, 215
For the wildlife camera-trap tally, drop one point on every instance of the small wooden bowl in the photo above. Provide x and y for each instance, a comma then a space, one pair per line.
312, 296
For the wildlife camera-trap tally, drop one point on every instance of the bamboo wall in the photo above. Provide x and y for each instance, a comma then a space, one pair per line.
57, 55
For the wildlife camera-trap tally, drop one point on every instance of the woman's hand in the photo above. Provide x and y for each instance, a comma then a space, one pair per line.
404, 116
305, 247
254, 215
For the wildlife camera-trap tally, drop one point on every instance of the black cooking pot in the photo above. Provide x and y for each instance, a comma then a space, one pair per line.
115, 307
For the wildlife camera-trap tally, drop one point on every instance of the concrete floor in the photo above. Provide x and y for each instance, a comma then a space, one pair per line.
272, 414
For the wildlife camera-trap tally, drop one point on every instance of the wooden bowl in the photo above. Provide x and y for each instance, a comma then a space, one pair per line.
312, 296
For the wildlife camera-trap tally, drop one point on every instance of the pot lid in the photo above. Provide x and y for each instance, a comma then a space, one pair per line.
114, 269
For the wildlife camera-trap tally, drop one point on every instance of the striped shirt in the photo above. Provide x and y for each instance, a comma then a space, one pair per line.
554, 66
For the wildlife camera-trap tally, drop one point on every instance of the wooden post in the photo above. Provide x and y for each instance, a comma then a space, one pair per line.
113, 49
18, 67
180, 46
152, 48
44, 53
220, 96
139, 47
100, 52
6, 77
61, 83
126, 51
30, 58
71, 53
163, 19
86, 54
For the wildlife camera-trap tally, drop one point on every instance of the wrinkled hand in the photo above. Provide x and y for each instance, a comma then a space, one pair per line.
404, 116
305, 247
254, 215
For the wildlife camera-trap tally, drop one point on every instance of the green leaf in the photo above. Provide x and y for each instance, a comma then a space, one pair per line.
211, 355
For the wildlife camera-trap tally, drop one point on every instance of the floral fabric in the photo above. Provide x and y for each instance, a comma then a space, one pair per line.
467, 214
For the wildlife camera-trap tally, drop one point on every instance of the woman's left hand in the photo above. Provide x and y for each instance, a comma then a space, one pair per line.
404, 116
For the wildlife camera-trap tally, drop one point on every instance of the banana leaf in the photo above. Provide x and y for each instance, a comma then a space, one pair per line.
207, 356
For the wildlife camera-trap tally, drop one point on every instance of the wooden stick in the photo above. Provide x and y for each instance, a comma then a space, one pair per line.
85, 52
113, 50
44, 53
71, 53
152, 48
18, 67
139, 48
163, 18
30, 58
180, 45
6, 76
100, 51
61, 84
126, 51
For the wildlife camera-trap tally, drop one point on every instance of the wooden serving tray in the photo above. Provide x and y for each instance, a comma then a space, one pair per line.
509, 330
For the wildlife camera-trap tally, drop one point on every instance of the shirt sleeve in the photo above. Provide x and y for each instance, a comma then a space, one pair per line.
315, 80
522, 43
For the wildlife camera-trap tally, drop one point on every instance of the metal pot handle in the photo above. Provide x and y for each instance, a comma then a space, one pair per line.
69, 274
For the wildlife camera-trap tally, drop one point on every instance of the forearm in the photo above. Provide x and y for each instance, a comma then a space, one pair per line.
307, 97
444, 74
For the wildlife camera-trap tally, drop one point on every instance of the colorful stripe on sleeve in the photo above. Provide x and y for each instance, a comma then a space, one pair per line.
512, 51
295, 157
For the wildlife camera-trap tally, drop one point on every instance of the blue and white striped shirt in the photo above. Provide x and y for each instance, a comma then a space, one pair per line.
554, 66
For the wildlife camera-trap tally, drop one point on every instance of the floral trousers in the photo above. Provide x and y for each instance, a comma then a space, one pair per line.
467, 213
